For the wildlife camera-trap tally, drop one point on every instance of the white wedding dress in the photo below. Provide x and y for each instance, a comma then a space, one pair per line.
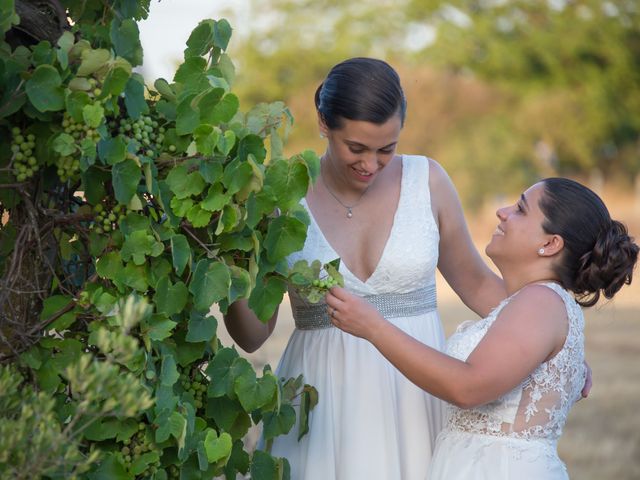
514, 437
371, 423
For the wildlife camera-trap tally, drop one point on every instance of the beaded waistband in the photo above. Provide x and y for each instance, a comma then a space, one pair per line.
390, 305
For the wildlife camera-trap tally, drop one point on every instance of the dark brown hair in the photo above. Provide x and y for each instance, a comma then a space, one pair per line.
360, 88
599, 255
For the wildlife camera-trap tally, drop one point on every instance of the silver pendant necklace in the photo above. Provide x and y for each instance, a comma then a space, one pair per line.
348, 207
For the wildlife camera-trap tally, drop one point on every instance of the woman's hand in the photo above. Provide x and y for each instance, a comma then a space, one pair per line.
353, 314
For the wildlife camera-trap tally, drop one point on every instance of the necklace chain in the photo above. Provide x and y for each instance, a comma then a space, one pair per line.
348, 207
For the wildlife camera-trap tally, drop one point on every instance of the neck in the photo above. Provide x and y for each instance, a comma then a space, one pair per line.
516, 279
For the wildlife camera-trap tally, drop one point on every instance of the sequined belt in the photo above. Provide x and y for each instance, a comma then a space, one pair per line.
390, 305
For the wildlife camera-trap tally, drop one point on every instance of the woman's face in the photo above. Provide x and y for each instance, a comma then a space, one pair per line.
519, 235
359, 150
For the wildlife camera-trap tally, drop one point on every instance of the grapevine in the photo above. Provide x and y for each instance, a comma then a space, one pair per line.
129, 208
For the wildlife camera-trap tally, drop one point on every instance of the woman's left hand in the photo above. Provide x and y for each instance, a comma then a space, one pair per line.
352, 314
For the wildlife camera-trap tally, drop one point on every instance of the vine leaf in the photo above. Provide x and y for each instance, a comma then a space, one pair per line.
126, 40
266, 296
217, 447
44, 89
210, 284
180, 253
126, 176
285, 235
201, 328
170, 299
184, 184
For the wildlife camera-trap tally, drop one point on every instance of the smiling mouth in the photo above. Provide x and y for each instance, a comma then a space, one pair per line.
498, 231
364, 174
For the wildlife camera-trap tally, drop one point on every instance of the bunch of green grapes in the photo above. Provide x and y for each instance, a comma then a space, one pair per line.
107, 219
196, 386
78, 130
25, 164
325, 283
136, 446
146, 131
68, 168
173, 471
95, 90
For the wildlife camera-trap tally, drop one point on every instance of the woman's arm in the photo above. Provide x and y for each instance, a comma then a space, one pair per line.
459, 261
245, 328
528, 331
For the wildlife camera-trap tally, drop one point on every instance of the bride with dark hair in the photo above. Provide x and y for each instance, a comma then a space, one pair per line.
512, 377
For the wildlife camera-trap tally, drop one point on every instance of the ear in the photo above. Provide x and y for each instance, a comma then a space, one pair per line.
322, 126
554, 245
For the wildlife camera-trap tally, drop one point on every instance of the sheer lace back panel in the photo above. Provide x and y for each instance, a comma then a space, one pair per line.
539, 406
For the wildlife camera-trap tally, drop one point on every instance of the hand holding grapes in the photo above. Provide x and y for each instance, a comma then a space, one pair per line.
353, 314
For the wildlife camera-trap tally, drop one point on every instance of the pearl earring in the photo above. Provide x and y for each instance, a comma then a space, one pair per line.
322, 135
541, 251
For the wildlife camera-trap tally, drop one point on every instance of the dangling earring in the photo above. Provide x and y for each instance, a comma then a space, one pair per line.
322, 135
541, 251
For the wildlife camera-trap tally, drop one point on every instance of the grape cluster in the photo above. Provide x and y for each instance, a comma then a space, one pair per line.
106, 219
68, 167
325, 283
78, 130
136, 446
25, 164
197, 387
146, 131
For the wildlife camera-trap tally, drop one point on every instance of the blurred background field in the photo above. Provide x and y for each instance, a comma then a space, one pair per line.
501, 93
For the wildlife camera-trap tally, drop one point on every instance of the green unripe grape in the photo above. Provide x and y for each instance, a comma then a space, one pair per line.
97, 92
31, 137
172, 148
21, 177
112, 217
107, 228
98, 208
19, 156
125, 450
93, 82
141, 426
19, 139
32, 161
15, 131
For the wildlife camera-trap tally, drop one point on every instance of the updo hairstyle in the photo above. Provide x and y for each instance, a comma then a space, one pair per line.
360, 88
598, 255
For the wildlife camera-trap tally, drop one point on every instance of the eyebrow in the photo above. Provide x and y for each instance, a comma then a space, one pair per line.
524, 201
351, 143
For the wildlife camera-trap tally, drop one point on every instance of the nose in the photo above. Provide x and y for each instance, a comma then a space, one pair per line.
502, 213
370, 161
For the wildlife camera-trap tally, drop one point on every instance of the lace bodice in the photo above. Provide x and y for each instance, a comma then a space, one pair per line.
539, 406
410, 256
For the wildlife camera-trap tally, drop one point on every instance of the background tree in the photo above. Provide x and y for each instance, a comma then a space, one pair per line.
558, 81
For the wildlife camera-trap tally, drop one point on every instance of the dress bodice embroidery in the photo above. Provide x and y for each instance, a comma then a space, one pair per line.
538, 407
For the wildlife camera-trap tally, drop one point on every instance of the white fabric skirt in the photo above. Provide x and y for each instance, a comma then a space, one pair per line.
370, 422
473, 456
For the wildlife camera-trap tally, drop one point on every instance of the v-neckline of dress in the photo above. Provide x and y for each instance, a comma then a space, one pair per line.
343, 264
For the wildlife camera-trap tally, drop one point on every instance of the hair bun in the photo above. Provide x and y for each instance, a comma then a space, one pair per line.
608, 266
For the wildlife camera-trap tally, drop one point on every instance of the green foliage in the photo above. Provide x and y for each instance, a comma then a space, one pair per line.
145, 207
